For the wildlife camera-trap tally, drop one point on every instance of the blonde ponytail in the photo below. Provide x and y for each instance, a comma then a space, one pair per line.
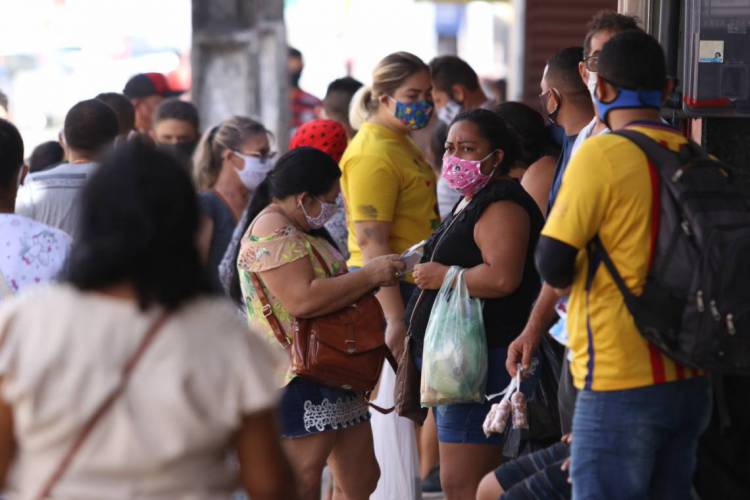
359, 109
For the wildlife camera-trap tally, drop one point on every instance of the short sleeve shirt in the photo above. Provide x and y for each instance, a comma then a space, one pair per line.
607, 191
264, 253
30, 252
169, 433
385, 178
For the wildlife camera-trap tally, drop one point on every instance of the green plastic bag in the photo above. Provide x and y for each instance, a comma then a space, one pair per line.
454, 360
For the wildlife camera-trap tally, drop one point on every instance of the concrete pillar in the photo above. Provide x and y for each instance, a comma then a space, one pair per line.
239, 55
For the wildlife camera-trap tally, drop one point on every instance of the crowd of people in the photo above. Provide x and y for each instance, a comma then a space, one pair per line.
165, 358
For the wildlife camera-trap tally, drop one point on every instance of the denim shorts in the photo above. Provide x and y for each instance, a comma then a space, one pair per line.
462, 422
308, 408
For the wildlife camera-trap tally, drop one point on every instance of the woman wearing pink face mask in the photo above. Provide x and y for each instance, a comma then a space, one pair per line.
492, 232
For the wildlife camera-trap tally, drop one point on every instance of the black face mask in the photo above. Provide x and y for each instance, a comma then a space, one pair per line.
183, 151
294, 79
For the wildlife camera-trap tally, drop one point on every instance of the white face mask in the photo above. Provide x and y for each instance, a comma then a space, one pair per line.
591, 83
447, 113
255, 169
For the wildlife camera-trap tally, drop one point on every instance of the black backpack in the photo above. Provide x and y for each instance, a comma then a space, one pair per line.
695, 306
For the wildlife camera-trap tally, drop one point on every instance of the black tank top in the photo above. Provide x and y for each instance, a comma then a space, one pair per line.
505, 317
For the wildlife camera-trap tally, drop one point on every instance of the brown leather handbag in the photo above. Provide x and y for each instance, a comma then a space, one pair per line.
344, 349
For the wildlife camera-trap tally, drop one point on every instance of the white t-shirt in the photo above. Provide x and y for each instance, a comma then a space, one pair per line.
169, 434
30, 252
585, 133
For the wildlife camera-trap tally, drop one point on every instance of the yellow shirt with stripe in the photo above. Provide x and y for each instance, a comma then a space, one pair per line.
385, 178
607, 191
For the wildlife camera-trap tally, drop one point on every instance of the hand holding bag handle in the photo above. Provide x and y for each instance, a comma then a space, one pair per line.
102, 409
407, 387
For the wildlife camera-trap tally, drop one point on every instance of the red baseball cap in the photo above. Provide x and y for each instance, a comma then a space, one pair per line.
148, 84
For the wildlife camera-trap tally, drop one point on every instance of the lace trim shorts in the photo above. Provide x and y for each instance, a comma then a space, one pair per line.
308, 408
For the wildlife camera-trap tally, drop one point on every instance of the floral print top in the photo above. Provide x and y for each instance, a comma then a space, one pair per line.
264, 253
30, 253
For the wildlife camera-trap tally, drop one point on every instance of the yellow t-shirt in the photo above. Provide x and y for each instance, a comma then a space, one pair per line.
386, 178
607, 190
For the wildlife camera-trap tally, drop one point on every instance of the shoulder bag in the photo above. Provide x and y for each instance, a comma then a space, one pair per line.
102, 409
344, 349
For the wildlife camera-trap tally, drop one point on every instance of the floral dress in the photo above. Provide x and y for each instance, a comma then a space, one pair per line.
306, 407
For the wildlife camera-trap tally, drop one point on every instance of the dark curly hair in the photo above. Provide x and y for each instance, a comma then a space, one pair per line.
138, 225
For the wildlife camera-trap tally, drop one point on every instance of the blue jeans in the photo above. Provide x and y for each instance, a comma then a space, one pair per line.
639, 443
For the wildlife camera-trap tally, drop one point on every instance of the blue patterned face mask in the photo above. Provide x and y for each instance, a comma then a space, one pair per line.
414, 115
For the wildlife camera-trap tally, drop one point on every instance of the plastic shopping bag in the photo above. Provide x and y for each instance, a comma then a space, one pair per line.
454, 360
395, 444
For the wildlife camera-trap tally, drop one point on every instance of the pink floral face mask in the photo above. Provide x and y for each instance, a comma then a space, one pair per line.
465, 176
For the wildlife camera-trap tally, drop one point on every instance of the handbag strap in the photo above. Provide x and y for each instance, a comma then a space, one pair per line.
105, 405
394, 365
265, 302
432, 258
267, 309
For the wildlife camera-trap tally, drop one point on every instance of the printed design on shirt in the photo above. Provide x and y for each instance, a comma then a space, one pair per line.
262, 252
39, 248
343, 413
368, 211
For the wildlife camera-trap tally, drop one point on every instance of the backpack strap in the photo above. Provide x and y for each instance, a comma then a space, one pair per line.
596, 247
666, 161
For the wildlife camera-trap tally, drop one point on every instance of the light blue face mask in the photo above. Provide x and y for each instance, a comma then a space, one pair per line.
627, 99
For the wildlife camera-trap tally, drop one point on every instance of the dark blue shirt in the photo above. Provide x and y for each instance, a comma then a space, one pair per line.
562, 163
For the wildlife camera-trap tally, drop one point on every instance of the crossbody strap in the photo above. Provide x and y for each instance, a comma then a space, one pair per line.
101, 410
432, 258
597, 248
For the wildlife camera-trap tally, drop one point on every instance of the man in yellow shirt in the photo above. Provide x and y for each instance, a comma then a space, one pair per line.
639, 414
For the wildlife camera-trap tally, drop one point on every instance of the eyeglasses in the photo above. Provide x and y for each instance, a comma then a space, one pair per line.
592, 62
261, 156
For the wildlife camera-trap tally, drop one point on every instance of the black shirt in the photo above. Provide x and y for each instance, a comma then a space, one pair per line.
505, 317
213, 206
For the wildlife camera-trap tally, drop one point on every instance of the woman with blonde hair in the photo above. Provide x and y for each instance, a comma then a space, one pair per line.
388, 186
231, 160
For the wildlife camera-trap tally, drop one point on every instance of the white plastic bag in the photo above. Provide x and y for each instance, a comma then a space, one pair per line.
395, 443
